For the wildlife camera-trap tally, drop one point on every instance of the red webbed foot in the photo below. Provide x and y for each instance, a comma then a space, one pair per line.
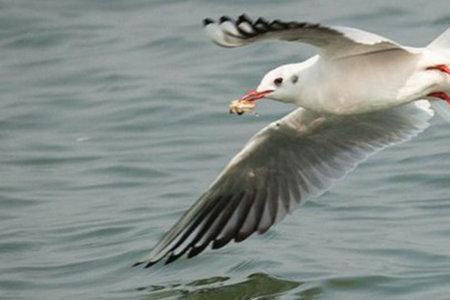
440, 95
442, 68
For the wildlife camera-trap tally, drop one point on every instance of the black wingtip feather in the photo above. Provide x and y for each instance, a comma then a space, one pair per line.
244, 18
150, 263
225, 19
240, 236
261, 20
277, 25
197, 250
261, 25
207, 21
137, 264
174, 257
217, 244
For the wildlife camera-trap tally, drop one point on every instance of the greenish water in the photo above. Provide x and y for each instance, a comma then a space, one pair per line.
113, 120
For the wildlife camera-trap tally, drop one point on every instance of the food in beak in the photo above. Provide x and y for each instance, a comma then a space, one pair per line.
247, 102
241, 106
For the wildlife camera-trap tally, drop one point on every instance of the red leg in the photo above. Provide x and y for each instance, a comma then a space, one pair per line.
442, 68
440, 95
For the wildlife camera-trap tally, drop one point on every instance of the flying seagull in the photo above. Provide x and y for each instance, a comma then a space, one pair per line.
358, 95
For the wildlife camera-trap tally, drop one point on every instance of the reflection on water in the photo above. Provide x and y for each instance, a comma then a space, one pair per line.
255, 286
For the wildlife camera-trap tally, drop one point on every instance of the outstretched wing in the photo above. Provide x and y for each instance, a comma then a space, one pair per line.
332, 41
297, 157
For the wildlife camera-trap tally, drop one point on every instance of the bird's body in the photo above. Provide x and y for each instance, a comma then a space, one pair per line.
360, 94
391, 78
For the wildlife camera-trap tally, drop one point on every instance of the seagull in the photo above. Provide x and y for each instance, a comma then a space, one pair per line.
360, 94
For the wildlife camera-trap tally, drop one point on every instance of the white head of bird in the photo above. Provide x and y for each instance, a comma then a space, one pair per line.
281, 84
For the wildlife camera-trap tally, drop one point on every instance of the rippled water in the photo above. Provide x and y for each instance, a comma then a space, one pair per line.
113, 120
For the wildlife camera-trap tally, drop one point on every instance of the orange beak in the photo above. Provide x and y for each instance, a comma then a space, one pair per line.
253, 95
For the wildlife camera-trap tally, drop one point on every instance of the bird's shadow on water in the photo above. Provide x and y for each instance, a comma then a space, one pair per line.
254, 286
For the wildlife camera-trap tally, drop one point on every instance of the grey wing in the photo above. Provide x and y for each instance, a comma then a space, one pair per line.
284, 164
331, 41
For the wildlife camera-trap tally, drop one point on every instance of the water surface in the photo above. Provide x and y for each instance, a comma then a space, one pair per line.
113, 120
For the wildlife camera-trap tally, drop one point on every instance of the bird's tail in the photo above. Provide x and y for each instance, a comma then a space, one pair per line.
442, 109
442, 42
442, 45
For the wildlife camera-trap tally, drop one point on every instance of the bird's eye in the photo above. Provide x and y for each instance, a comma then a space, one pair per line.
278, 81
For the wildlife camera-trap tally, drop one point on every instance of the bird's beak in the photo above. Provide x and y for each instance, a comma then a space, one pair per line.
253, 95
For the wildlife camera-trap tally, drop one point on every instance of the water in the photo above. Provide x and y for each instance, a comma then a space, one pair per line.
113, 118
